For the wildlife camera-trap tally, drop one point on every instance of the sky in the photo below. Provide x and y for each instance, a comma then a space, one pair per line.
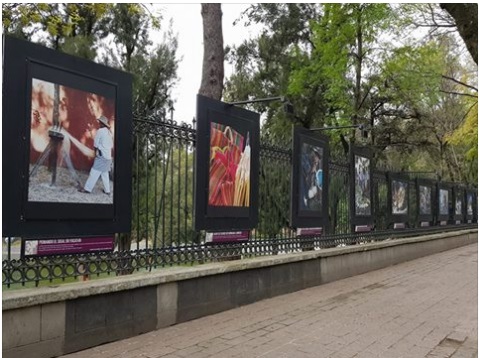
187, 24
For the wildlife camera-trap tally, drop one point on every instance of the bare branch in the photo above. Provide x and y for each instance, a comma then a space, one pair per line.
459, 82
459, 94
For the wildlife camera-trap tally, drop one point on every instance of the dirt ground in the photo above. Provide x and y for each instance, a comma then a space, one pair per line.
65, 189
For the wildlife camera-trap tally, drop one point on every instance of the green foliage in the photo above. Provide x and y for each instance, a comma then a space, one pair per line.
423, 109
263, 66
466, 134
163, 193
273, 201
129, 25
154, 76
339, 203
80, 46
412, 75
341, 64
57, 22
464, 144
344, 42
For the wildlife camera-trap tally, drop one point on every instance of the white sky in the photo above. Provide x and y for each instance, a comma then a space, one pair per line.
187, 23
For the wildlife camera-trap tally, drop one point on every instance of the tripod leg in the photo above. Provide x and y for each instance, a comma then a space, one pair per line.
41, 160
54, 163
71, 168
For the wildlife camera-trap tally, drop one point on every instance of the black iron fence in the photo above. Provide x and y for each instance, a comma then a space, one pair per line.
162, 221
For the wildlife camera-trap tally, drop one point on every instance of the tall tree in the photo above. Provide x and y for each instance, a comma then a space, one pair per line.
263, 66
213, 53
345, 48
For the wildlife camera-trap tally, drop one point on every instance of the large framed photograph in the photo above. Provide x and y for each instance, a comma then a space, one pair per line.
361, 188
67, 142
310, 178
226, 166
444, 202
398, 198
424, 195
459, 204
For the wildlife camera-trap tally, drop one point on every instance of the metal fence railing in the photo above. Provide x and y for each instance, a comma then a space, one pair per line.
162, 215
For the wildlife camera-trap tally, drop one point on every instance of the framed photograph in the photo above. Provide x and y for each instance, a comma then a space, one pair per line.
424, 195
67, 144
459, 204
361, 208
398, 198
469, 200
226, 166
444, 202
310, 178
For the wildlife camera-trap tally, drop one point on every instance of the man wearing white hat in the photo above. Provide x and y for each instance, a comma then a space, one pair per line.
103, 144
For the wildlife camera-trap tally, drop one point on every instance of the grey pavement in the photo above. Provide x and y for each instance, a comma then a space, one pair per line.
421, 308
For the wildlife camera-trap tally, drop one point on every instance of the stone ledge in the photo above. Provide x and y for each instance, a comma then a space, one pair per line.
42, 295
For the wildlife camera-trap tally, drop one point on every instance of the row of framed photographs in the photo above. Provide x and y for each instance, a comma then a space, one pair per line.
309, 205
435, 201
52, 108
227, 169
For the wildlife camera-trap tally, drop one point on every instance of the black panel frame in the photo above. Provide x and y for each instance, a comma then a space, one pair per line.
443, 217
301, 218
425, 217
458, 193
22, 61
397, 218
222, 218
356, 219
470, 192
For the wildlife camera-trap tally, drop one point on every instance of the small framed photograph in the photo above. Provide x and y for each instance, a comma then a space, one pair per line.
470, 200
310, 178
398, 198
226, 167
459, 204
361, 188
444, 202
424, 195
67, 144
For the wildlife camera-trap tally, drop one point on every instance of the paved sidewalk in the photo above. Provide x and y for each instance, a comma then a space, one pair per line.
422, 308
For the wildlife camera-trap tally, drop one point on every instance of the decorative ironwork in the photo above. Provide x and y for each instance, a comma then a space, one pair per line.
163, 234
55, 269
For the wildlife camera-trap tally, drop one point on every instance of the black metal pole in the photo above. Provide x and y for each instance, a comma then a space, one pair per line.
360, 126
269, 99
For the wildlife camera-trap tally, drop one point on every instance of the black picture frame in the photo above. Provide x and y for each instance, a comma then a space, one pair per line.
474, 205
398, 198
364, 215
469, 205
458, 212
443, 203
307, 212
216, 117
425, 200
24, 63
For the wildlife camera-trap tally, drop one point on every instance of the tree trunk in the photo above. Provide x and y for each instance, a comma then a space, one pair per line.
359, 71
465, 16
213, 57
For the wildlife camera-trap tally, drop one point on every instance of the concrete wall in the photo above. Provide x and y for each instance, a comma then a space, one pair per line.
51, 321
